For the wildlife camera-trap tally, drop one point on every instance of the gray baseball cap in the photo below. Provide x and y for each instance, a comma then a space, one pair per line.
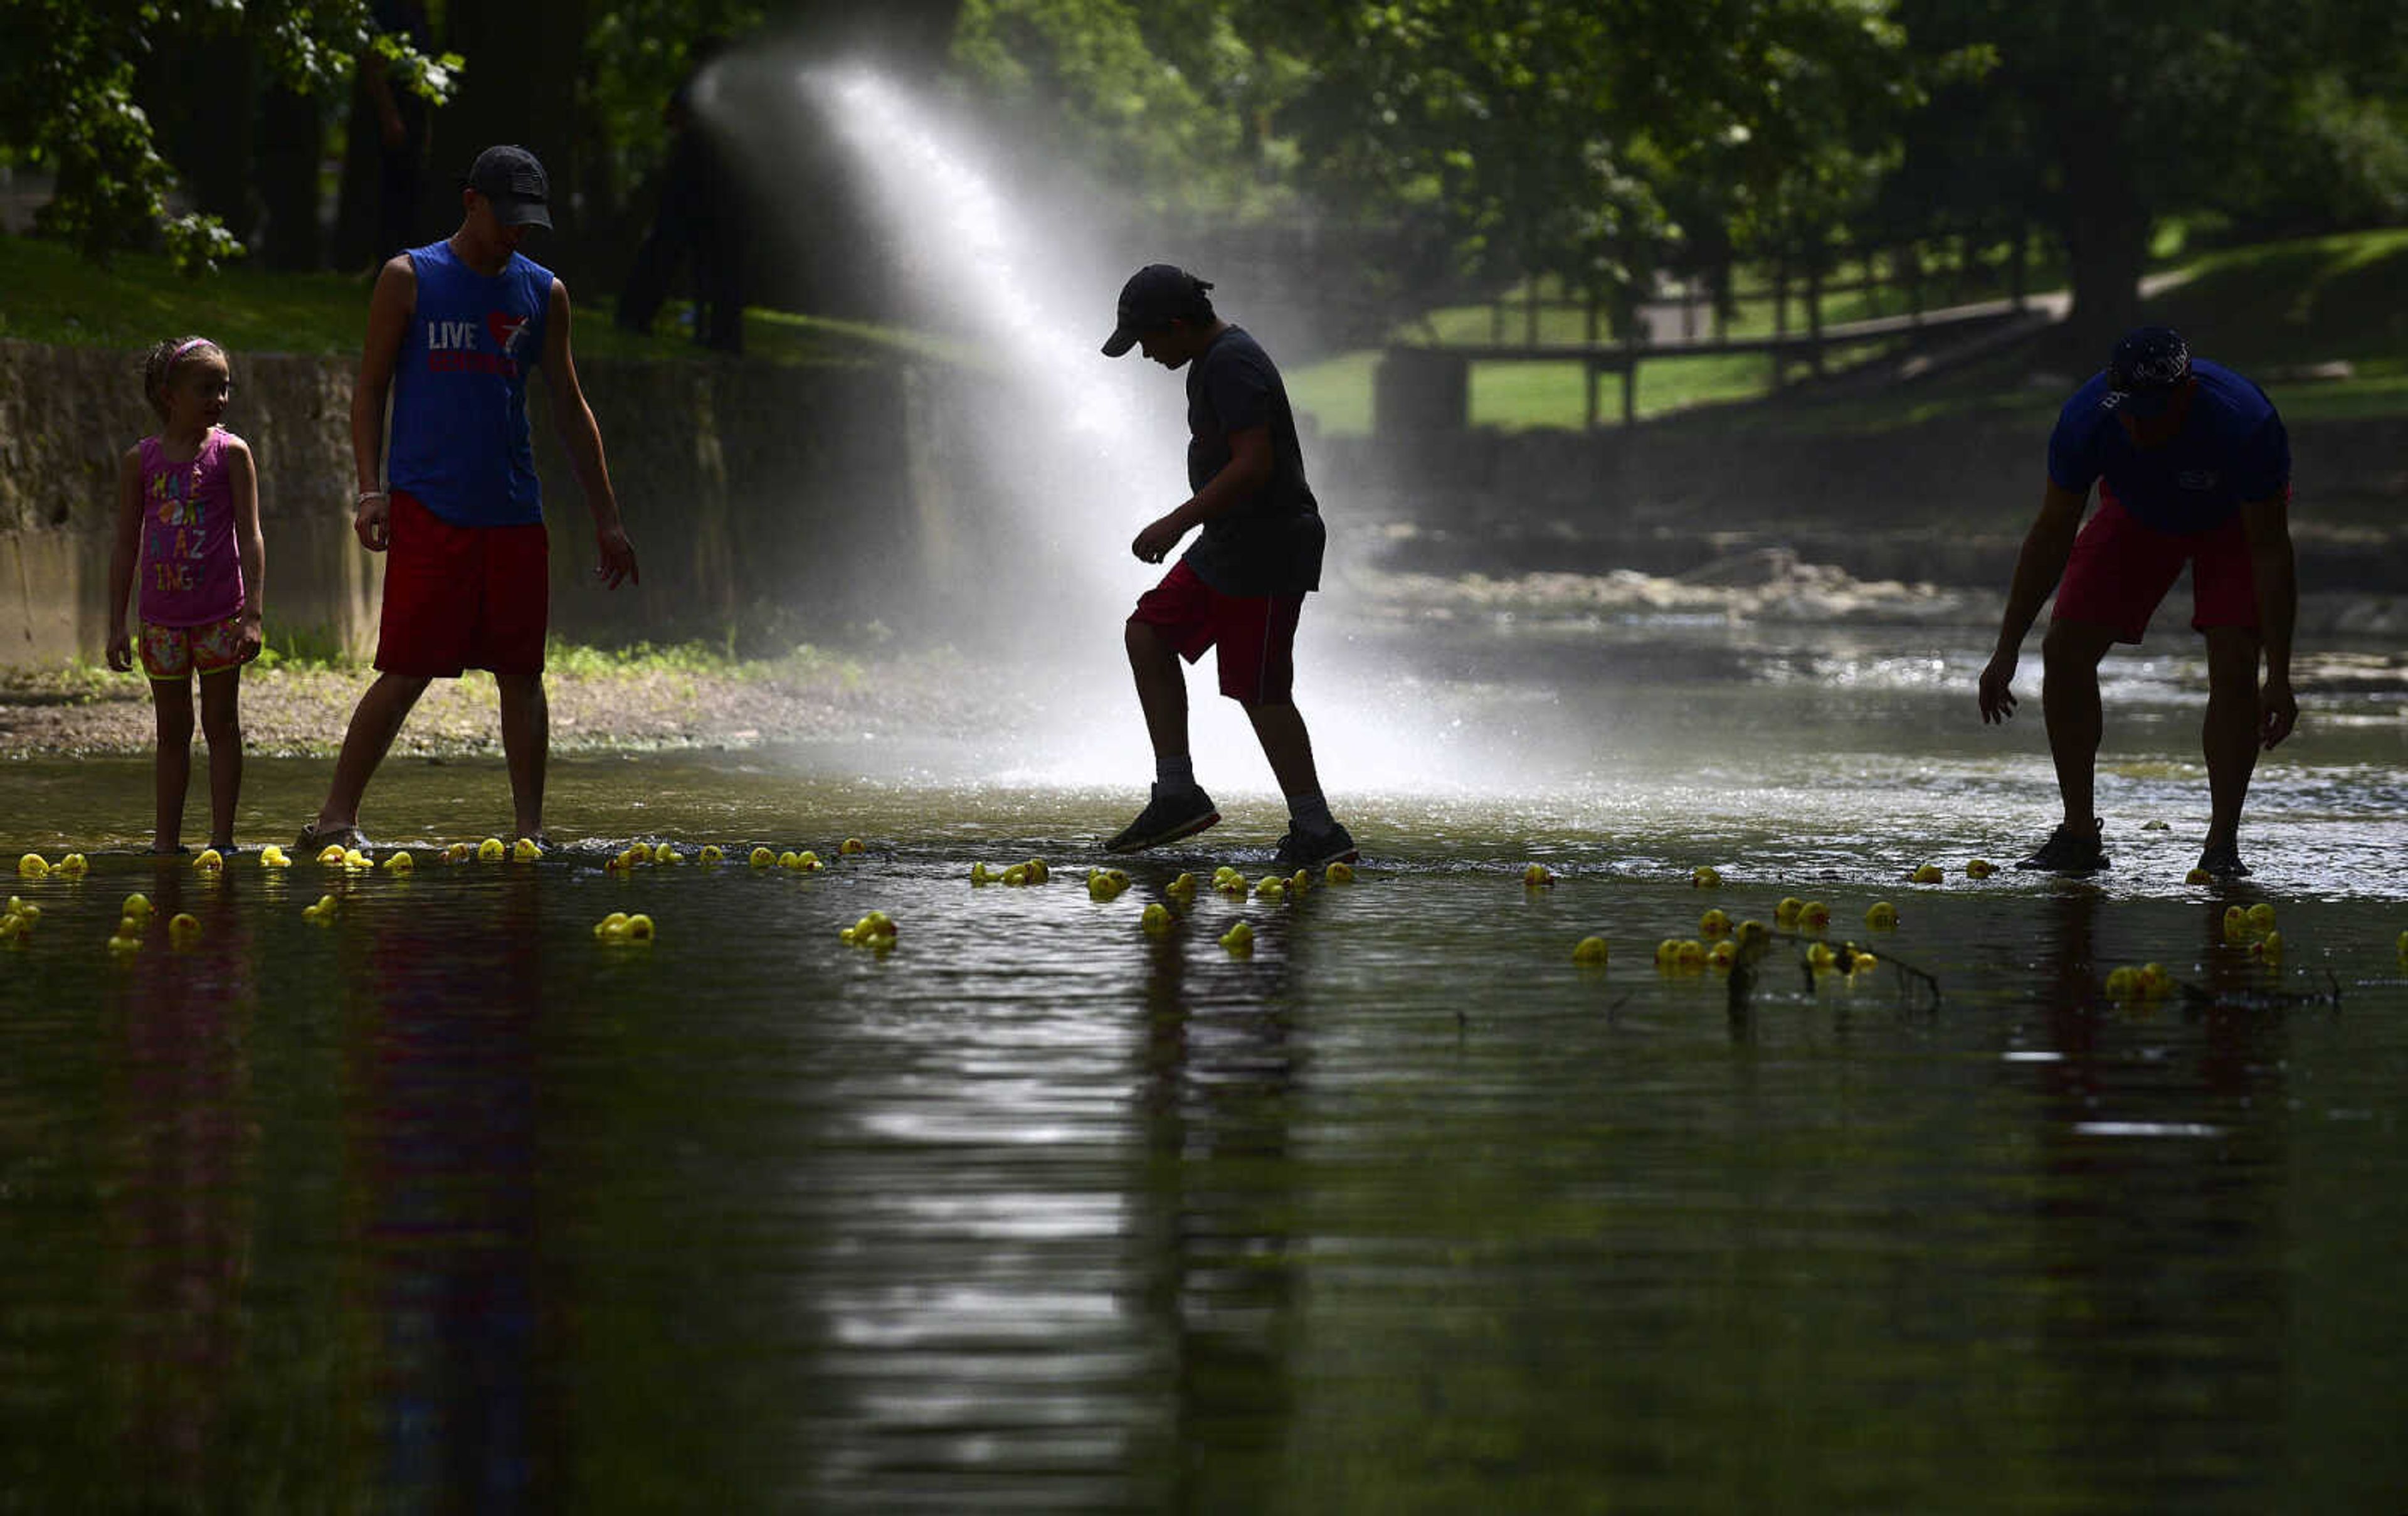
514, 184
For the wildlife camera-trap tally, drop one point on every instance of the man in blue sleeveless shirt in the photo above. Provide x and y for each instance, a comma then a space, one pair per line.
453, 327
2193, 466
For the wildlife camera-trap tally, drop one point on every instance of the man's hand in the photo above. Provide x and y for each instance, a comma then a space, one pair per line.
1998, 701
618, 558
2277, 711
1154, 543
372, 522
120, 649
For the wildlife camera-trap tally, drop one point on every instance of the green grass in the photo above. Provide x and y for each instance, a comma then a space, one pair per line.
2275, 310
49, 294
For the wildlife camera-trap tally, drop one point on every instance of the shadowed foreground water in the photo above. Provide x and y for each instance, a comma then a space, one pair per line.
447, 1205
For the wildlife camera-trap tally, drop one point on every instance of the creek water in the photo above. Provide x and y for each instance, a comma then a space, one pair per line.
448, 1204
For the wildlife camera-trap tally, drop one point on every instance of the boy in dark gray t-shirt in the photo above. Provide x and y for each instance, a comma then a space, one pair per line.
1241, 587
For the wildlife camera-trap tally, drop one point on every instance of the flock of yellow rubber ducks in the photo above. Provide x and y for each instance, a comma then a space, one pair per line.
1718, 945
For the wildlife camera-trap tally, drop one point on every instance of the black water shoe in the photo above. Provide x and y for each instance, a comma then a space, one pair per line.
2069, 851
2221, 860
1166, 818
1302, 849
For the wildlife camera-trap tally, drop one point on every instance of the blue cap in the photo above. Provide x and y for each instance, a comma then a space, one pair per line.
1155, 297
2149, 366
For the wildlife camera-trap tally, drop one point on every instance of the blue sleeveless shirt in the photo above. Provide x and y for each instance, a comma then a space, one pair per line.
459, 398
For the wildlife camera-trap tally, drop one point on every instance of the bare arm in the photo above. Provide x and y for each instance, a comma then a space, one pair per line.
123, 556
1249, 469
389, 309
573, 419
2038, 567
2271, 564
242, 477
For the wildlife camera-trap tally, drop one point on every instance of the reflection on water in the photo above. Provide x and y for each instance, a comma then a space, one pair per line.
450, 1207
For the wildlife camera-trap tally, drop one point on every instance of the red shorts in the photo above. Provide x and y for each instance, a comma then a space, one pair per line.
1256, 633
2120, 570
459, 598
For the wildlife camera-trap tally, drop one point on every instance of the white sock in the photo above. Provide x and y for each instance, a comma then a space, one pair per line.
1311, 811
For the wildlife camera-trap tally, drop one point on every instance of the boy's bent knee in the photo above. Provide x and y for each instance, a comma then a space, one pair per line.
2074, 644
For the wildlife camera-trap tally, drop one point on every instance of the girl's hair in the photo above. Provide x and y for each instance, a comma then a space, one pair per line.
159, 366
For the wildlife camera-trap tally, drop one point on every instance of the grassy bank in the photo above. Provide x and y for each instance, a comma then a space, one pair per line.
2321, 321
48, 293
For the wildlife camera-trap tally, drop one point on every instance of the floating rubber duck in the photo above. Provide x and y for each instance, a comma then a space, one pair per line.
1881, 915
1181, 890
1690, 954
74, 866
459, 852
183, 930
849, 847
2155, 980
2199, 876
2123, 983
400, 862
1704, 877
2156, 824
1926, 874
639, 927
1668, 952
1223, 875
665, 853
1819, 956
272, 857
1038, 873
612, 927
1814, 915
761, 858
2261, 916
1980, 868
491, 851
1591, 951
1339, 873
710, 854
1239, 939
33, 866
354, 858
1860, 961
1786, 913
1106, 884
209, 860
1016, 875
2403, 944
138, 905
1751, 932
2269, 947
1155, 919
1299, 882
125, 941
1722, 955
2236, 923
331, 855
1270, 887
526, 850
981, 874
805, 861
876, 929
323, 911
1538, 877
25, 908
1715, 923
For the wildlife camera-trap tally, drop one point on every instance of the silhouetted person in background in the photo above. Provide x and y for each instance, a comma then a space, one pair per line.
700, 219
401, 117
2193, 467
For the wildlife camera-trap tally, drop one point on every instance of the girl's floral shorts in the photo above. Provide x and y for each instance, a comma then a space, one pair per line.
174, 652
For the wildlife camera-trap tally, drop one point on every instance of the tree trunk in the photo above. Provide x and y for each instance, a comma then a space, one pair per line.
2106, 230
520, 86
291, 130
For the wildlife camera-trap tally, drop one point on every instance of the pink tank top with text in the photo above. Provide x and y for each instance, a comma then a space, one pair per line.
191, 574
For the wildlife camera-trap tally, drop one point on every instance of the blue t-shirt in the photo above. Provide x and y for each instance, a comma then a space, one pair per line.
1271, 543
2231, 449
460, 439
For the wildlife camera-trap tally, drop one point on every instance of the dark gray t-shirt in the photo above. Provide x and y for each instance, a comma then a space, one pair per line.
1271, 543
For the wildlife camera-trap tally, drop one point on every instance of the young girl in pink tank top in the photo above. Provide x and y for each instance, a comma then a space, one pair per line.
188, 541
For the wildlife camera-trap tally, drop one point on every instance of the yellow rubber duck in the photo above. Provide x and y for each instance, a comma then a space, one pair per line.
2269, 947
33, 866
1181, 890
2123, 983
75, 866
209, 860
1814, 917
526, 850
1591, 952
1750, 932
710, 853
323, 911
2199, 876
1538, 877
1038, 873
1340, 873
1155, 919
1704, 877
1016, 875
1714, 923
2261, 916
1722, 955
851, 845
1926, 874
1239, 939
491, 851
272, 857
331, 855
1668, 953
1881, 915
1980, 868
1819, 956
761, 858
808, 861
354, 858
183, 930
1786, 913
1299, 882
138, 905
1271, 888
640, 927
1106, 884
400, 862
665, 853
1690, 955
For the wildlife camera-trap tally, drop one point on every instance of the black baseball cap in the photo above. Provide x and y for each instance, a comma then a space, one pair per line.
2150, 364
1155, 297
513, 182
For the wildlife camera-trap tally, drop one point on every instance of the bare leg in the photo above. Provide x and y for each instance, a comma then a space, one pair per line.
1288, 745
375, 722
2229, 734
2069, 700
173, 769
1161, 690
526, 743
222, 723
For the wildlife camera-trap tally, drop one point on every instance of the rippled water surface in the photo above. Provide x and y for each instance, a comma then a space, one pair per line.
449, 1205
